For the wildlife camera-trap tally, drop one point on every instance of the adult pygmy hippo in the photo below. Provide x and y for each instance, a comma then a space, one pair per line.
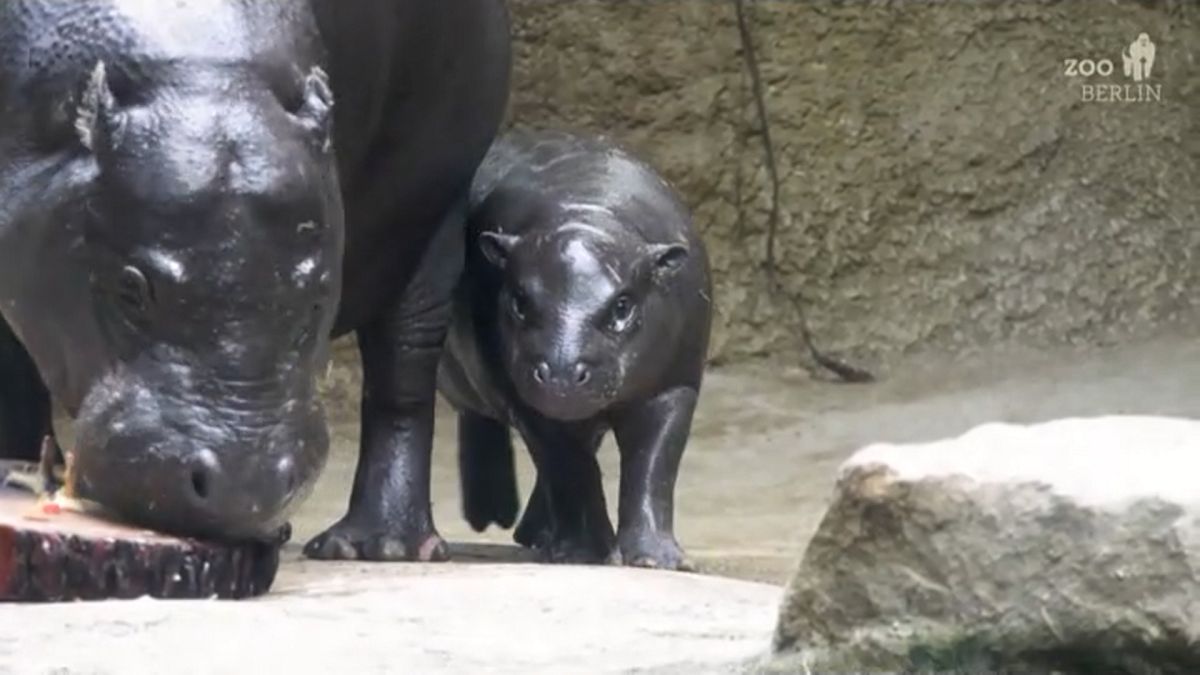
187, 216
585, 307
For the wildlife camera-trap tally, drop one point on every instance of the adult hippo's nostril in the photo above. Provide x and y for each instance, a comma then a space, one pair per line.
204, 467
291, 480
541, 372
200, 483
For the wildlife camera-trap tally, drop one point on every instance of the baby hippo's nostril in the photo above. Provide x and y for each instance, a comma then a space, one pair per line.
541, 372
582, 373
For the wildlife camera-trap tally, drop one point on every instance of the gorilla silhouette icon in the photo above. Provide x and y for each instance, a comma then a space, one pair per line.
1139, 58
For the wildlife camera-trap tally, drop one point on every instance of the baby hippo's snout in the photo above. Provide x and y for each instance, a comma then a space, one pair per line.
567, 389
217, 481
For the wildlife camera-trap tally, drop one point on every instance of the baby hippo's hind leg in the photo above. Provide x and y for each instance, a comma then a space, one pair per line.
486, 471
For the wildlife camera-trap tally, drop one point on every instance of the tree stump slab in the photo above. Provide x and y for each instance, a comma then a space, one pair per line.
49, 554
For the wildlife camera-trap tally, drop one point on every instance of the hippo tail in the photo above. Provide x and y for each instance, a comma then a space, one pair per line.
487, 473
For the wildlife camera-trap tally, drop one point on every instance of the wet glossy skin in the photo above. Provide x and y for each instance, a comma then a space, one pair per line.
194, 197
585, 309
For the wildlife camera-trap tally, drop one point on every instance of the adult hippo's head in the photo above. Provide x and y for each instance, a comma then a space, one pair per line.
170, 254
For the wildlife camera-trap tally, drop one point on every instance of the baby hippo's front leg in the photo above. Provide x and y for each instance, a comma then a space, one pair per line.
652, 436
567, 518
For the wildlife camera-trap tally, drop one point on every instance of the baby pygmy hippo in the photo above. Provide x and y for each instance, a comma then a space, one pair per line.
585, 307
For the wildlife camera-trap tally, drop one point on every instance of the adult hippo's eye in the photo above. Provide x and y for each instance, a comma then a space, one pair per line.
133, 289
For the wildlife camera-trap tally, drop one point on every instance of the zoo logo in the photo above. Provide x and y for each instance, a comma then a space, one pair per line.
1137, 64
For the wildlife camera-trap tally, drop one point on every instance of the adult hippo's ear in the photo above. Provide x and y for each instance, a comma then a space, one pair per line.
666, 259
496, 247
97, 120
316, 108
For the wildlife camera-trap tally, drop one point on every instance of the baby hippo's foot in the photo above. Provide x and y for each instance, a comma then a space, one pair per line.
571, 545
574, 550
651, 548
533, 531
575, 546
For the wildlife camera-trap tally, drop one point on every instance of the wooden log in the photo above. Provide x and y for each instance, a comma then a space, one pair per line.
51, 555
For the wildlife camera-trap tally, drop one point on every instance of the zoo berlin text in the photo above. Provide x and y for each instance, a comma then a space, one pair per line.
1137, 64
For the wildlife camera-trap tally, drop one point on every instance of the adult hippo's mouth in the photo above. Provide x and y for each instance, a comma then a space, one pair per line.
166, 458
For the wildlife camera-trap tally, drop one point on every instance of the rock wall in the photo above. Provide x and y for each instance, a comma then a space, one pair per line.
944, 184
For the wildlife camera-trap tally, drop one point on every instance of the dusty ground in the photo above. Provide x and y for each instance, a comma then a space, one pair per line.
768, 439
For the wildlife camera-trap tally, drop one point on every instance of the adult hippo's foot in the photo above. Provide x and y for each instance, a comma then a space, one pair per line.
348, 540
389, 517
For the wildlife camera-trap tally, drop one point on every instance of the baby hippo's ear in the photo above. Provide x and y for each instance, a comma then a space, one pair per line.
496, 247
667, 259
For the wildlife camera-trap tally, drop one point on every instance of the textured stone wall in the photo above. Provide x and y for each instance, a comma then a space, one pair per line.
944, 185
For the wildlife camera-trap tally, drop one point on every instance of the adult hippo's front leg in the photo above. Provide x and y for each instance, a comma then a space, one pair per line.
389, 516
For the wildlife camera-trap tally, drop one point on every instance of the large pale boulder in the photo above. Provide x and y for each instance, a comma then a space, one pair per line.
1071, 546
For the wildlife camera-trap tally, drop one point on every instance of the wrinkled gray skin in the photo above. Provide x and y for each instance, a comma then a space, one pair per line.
585, 308
194, 196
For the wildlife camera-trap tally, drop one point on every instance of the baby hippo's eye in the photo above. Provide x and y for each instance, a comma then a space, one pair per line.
519, 306
622, 312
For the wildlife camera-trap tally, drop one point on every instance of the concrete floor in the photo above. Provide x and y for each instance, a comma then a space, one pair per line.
418, 618
768, 439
